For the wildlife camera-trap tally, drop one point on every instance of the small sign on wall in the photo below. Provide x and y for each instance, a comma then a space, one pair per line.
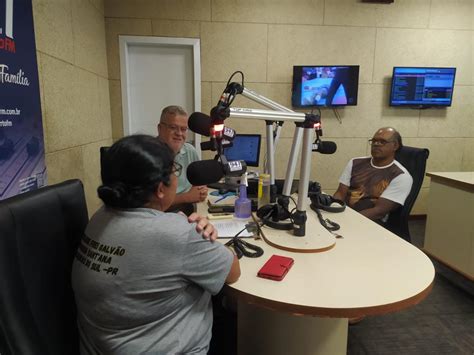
22, 162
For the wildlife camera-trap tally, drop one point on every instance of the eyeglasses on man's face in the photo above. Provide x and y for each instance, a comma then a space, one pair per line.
380, 142
174, 128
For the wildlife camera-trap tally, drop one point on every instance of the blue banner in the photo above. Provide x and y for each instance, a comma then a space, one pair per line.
22, 162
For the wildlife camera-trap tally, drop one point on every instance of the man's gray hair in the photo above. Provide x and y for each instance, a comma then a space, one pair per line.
172, 110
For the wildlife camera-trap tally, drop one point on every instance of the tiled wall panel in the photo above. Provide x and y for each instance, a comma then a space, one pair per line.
264, 39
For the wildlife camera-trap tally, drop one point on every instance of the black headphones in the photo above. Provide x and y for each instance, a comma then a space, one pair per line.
271, 215
324, 202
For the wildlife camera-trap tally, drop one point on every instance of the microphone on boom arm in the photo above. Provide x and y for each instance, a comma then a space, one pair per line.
222, 110
201, 123
213, 126
204, 172
319, 146
327, 147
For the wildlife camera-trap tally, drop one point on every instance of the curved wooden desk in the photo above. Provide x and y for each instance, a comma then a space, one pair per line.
369, 271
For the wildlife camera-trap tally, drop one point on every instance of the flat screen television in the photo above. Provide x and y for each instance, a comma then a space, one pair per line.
422, 87
325, 85
245, 147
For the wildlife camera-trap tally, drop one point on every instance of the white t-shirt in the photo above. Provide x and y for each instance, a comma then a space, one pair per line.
369, 182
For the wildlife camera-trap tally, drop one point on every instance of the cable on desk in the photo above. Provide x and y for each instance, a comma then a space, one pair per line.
326, 223
243, 248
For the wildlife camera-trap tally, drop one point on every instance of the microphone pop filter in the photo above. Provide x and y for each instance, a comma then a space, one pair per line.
204, 172
200, 123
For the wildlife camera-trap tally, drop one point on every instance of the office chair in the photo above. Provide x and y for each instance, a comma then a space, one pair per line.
414, 160
39, 233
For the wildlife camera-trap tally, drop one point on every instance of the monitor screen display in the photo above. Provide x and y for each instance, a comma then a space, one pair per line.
245, 147
335, 85
422, 87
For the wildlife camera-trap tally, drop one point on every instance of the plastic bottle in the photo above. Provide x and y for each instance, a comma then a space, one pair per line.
263, 190
243, 206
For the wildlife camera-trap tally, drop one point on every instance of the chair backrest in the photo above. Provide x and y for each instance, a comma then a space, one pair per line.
414, 160
39, 233
103, 152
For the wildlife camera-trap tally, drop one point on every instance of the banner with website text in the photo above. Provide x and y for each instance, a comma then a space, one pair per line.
22, 162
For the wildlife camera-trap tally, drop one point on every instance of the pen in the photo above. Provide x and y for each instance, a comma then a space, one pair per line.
220, 199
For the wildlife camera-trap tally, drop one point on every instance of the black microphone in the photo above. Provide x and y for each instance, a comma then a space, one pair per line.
204, 172
327, 147
201, 123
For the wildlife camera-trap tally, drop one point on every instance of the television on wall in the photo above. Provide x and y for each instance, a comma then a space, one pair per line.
325, 85
422, 87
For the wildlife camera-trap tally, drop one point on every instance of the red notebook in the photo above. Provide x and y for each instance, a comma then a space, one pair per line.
276, 267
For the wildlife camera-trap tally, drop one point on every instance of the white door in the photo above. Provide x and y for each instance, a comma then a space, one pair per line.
157, 72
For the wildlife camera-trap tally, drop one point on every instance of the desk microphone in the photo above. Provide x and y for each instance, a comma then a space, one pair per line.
204, 172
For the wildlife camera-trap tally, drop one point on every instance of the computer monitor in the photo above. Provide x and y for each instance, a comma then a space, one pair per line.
422, 87
245, 147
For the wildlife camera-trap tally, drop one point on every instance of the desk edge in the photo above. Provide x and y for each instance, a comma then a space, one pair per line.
462, 185
329, 312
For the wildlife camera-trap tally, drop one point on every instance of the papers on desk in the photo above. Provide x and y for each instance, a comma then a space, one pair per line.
229, 228
221, 200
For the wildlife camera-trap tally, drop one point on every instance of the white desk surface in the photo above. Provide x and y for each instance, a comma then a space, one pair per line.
461, 179
369, 271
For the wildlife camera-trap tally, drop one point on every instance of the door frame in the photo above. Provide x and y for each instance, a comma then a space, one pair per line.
126, 41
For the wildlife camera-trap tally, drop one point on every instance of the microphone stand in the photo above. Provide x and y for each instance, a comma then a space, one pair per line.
304, 126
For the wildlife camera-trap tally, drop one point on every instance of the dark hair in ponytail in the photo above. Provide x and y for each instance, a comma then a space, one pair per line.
132, 169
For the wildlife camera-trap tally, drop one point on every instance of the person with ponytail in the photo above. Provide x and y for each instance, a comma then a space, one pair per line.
142, 277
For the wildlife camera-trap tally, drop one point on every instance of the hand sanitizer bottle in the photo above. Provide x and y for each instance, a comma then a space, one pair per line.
243, 206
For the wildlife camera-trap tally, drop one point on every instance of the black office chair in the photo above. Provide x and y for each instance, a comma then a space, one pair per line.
103, 152
39, 233
414, 160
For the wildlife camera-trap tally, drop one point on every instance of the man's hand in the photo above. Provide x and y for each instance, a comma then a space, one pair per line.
380, 210
197, 194
202, 192
203, 226
341, 193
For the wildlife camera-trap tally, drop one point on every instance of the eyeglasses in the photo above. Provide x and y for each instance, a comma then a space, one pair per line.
381, 142
175, 128
177, 168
